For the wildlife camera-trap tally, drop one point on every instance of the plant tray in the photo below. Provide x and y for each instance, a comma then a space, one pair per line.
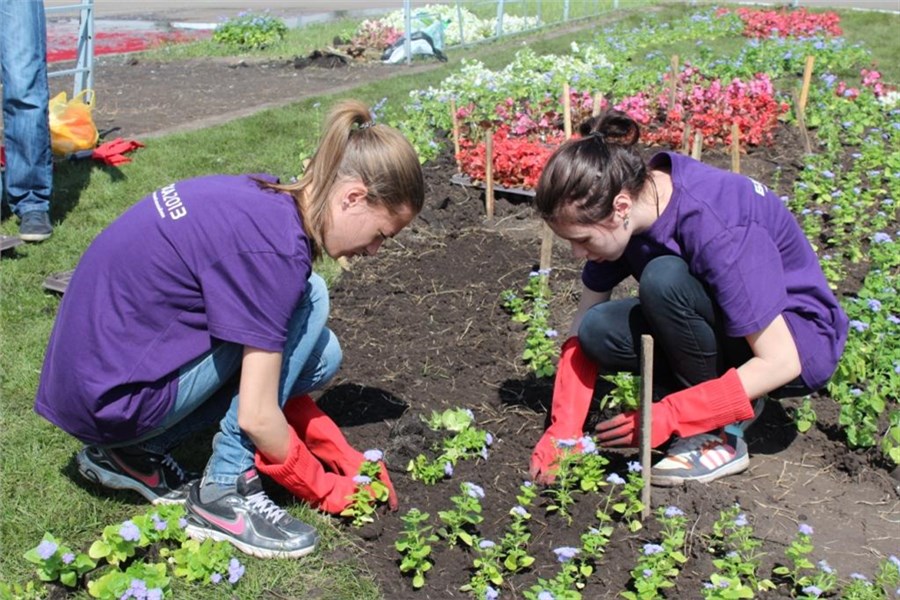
8, 242
466, 181
58, 282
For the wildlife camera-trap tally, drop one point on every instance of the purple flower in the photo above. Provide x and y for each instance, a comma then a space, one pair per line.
825, 567
448, 469
615, 479
893, 319
362, 480
544, 271
545, 595
881, 238
827, 174
158, 523
551, 333
46, 549
858, 577
68, 558
741, 520
587, 445
154, 594
486, 544
651, 549
805, 529
674, 511
566, 444
859, 326
491, 594
484, 452
519, 511
182, 522
732, 554
648, 572
473, 490
634, 467
874, 305
894, 560
373, 455
488, 439
215, 578
565, 553
129, 532
235, 571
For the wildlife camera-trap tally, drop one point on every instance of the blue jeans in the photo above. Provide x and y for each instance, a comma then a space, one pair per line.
689, 341
207, 387
26, 97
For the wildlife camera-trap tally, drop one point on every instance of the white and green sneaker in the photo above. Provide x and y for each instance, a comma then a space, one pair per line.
702, 458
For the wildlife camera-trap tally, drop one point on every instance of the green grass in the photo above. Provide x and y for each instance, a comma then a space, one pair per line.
41, 490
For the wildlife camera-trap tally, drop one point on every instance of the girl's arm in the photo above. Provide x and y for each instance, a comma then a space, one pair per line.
588, 299
775, 361
259, 415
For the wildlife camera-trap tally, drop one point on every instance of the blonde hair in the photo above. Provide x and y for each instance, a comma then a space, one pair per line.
354, 147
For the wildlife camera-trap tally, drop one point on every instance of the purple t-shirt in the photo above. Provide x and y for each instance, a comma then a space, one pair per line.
210, 259
739, 239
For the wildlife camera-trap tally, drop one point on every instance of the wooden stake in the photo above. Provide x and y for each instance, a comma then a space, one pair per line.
735, 147
801, 125
567, 111
686, 139
598, 104
646, 416
546, 246
807, 76
489, 171
674, 82
455, 119
697, 150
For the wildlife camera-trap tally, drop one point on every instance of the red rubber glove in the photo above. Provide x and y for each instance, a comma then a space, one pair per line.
698, 409
573, 389
303, 476
328, 444
113, 153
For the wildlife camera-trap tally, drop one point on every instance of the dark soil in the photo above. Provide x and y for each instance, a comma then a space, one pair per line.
422, 329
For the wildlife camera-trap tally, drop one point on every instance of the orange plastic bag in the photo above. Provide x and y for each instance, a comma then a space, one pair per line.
71, 124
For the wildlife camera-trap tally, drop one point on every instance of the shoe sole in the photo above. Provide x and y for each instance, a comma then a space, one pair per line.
733, 468
198, 533
34, 237
101, 476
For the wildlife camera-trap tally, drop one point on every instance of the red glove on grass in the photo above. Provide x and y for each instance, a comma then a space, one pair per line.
698, 409
113, 153
328, 444
303, 476
573, 389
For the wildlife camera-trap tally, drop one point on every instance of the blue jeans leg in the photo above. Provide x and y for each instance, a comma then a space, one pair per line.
26, 97
312, 356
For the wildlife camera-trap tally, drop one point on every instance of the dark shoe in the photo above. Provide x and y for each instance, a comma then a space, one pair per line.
158, 478
244, 516
701, 458
738, 429
35, 226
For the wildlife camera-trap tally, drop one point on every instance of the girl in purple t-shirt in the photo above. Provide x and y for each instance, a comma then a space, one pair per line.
730, 289
199, 306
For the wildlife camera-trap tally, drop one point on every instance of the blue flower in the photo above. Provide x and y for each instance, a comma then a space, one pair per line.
827, 174
805, 529
155, 594
486, 544
648, 572
634, 467
473, 490
235, 571
825, 567
587, 445
858, 577
129, 532
858, 325
68, 558
46, 549
893, 319
519, 511
448, 469
615, 479
545, 595
491, 594
551, 333
741, 520
881, 238
566, 444
488, 438
215, 578
373, 455
362, 480
874, 305
565, 553
674, 511
651, 549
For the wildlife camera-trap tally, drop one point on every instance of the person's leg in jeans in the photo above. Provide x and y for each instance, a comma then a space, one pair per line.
26, 129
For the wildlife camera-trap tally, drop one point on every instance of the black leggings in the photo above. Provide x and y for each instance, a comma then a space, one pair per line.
690, 345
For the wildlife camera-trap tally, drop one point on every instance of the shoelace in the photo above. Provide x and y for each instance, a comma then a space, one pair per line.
266, 507
171, 463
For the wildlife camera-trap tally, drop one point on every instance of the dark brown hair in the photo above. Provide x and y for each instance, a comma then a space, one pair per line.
585, 174
353, 146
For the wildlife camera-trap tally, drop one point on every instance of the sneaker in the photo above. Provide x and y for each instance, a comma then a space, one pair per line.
156, 477
738, 429
703, 458
35, 226
244, 516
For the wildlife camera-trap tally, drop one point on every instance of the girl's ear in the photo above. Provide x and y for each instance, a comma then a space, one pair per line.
622, 204
353, 193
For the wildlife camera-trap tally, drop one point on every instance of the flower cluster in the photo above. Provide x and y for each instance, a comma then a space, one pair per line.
767, 23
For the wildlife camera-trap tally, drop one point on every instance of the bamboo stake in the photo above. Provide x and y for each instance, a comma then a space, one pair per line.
489, 171
674, 82
735, 147
567, 111
807, 76
646, 416
698, 145
546, 247
686, 139
598, 104
455, 119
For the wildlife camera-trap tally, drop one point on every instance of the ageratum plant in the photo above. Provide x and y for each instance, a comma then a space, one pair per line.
248, 31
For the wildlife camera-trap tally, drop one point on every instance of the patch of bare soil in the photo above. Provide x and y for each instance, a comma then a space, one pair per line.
422, 329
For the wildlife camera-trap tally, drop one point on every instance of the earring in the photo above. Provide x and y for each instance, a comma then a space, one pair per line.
625, 223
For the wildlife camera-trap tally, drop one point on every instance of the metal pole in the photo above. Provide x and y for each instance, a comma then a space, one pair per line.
84, 78
407, 17
459, 17
566, 11
499, 30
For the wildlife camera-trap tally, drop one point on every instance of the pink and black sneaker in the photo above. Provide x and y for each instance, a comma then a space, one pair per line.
156, 477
